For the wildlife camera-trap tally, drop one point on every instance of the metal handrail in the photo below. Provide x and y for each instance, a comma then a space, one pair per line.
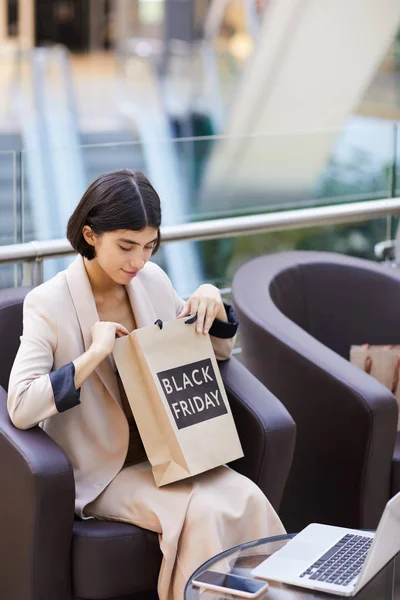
36, 251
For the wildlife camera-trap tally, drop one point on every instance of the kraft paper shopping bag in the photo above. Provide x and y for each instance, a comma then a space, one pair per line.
382, 363
173, 384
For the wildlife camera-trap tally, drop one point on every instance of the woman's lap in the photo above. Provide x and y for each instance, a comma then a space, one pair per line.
134, 497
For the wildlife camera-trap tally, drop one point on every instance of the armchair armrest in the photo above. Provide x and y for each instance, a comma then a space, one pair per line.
266, 430
36, 513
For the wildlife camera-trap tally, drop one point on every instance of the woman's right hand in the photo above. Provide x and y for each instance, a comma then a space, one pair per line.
104, 334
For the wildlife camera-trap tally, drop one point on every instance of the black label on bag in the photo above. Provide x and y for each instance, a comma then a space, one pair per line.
193, 393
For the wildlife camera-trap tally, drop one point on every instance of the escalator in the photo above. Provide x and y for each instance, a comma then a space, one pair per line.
52, 174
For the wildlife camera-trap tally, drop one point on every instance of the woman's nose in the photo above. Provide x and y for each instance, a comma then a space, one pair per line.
137, 262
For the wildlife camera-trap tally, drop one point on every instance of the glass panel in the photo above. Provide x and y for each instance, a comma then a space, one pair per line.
226, 177
10, 215
8, 191
359, 164
7, 276
214, 177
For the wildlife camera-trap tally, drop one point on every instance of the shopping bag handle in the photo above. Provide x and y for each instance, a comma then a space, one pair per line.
191, 320
188, 321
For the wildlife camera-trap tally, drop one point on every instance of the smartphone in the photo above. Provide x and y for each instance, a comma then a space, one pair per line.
231, 584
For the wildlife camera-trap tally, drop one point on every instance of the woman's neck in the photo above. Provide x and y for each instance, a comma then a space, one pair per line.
100, 282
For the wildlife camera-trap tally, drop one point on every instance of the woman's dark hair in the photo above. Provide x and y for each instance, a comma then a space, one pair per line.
121, 199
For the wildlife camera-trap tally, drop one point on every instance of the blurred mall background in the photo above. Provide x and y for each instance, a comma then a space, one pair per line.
230, 107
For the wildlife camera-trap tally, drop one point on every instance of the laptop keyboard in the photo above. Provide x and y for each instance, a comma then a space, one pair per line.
343, 562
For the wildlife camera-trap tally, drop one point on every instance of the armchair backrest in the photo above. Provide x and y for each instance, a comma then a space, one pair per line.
11, 302
340, 301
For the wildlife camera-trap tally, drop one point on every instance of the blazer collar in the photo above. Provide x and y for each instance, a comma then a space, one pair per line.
85, 306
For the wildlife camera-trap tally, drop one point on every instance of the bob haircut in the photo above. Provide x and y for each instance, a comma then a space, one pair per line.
121, 199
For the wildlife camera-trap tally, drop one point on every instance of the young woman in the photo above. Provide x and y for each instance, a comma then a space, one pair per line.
64, 378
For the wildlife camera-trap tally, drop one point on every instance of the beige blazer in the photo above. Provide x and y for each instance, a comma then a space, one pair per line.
57, 322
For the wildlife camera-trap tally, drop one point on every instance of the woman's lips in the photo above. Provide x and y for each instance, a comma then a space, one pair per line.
130, 273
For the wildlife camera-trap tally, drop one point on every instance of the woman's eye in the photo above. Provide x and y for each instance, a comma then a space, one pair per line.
124, 249
150, 247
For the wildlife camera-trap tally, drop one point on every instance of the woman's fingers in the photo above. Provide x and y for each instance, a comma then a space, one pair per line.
201, 315
206, 308
185, 311
210, 316
120, 334
120, 330
190, 307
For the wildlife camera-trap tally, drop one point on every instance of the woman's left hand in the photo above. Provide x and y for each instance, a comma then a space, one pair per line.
206, 302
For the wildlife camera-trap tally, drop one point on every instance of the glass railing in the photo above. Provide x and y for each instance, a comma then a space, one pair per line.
10, 210
215, 177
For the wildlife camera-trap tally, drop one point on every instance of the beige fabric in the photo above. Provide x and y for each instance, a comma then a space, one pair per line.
382, 363
195, 518
58, 317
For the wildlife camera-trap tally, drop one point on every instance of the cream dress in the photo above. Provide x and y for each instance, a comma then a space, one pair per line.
195, 518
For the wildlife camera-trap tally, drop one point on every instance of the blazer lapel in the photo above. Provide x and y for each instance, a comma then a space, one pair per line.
85, 306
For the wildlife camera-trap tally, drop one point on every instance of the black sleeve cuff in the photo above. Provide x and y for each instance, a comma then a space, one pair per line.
225, 329
62, 382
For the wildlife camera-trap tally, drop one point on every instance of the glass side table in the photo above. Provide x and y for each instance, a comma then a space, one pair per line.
242, 559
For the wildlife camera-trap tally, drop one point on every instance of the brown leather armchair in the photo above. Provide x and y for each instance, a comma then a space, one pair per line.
46, 553
300, 312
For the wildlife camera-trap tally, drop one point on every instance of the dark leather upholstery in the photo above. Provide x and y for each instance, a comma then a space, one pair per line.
300, 312
113, 559
36, 513
395, 481
10, 329
48, 554
266, 437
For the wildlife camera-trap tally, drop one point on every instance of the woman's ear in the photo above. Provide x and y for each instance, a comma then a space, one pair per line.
89, 235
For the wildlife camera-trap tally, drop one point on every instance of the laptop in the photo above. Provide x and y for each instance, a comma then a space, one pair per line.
336, 560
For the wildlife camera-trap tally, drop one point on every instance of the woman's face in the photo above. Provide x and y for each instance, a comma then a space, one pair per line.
121, 254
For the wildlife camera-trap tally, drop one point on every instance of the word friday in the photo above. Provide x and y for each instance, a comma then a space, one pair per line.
193, 393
